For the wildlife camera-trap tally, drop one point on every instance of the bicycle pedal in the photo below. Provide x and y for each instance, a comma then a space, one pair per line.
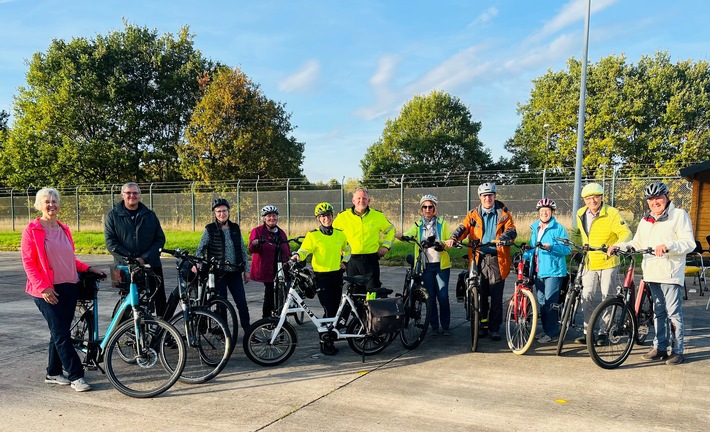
643, 330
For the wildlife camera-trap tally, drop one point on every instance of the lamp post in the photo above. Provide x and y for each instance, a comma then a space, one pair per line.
547, 151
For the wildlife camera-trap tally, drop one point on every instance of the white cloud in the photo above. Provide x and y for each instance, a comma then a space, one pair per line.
303, 79
571, 12
484, 17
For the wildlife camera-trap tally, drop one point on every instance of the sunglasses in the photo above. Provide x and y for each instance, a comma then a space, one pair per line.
427, 207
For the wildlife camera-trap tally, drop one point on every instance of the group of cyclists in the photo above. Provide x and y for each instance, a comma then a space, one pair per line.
354, 240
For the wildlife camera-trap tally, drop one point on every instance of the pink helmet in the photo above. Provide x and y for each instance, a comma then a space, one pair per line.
546, 202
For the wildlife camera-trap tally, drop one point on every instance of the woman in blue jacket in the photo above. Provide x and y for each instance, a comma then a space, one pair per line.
550, 266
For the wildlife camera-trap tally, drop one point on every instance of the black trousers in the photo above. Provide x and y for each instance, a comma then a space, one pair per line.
330, 291
366, 265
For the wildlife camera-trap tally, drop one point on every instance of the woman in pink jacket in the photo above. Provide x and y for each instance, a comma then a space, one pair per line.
51, 266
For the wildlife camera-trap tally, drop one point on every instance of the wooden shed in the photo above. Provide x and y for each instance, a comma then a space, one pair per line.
699, 212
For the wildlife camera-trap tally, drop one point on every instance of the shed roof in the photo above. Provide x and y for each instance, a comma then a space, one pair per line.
688, 172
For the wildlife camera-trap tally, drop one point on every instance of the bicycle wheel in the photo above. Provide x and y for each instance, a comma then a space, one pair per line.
416, 317
208, 348
147, 376
645, 318
474, 314
569, 308
611, 333
82, 331
258, 348
521, 321
225, 311
366, 344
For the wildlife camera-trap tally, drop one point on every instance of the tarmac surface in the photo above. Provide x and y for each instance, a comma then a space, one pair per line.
440, 386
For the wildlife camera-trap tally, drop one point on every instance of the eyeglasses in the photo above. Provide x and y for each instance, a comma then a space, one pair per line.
131, 193
428, 207
221, 211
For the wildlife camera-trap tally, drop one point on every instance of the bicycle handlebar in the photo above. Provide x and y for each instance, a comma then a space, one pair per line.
425, 244
631, 251
477, 245
583, 248
185, 255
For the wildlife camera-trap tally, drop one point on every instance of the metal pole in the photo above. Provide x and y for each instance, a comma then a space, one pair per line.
12, 207
192, 204
613, 185
547, 155
239, 203
76, 197
342, 194
288, 207
150, 195
256, 188
401, 205
580, 120
468, 191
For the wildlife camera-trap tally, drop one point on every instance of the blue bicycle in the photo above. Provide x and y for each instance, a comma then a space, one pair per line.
143, 356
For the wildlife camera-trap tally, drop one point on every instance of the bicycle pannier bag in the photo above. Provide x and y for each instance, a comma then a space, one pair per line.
461, 286
385, 315
88, 285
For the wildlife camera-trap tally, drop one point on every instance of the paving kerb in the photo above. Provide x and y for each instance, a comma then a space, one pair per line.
438, 386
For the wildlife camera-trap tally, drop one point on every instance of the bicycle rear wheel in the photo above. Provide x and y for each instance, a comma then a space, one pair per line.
416, 317
474, 314
146, 375
82, 331
367, 344
611, 333
645, 318
225, 311
521, 321
569, 308
258, 347
209, 345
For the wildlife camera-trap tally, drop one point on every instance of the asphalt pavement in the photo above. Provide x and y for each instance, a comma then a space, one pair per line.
440, 386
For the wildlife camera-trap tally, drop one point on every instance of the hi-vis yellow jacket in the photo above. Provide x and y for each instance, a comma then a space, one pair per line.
365, 233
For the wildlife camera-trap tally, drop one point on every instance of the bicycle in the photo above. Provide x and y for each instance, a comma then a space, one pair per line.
621, 320
573, 298
417, 312
271, 341
136, 353
207, 337
281, 281
521, 315
472, 298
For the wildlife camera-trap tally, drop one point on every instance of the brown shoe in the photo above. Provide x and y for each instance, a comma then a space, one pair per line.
655, 354
675, 359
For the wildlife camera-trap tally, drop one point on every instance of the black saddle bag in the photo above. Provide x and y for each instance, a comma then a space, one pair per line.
385, 315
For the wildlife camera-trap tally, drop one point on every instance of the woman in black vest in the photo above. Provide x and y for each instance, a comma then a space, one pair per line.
223, 240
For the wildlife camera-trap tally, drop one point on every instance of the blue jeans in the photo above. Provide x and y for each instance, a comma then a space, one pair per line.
548, 293
436, 282
667, 304
233, 282
59, 318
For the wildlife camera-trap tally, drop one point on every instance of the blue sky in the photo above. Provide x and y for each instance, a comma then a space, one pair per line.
344, 67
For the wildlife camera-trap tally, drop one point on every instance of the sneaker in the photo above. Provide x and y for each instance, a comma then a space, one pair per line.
601, 340
329, 350
56, 379
582, 340
495, 336
446, 332
80, 385
675, 359
435, 331
546, 339
655, 354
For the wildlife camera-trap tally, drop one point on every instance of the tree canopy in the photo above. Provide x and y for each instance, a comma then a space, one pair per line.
653, 114
433, 134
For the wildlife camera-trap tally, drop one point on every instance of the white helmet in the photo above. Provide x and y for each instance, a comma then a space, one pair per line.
428, 197
268, 209
487, 188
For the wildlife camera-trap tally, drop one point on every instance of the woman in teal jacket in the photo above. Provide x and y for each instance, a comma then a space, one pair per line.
438, 267
550, 265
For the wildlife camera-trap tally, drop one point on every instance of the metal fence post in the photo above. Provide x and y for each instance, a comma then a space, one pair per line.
468, 191
342, 194
12, 207
256, 188
76, 194
192, 204
29, 215
613, 185
239, 204
401, 205
288, 207
544, 178
150, 195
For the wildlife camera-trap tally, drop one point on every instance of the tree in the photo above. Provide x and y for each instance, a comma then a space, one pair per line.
107, 109
652, 115
236, 131
433, 134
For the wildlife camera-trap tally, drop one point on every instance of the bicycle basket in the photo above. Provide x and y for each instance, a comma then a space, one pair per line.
88, 285
120, 279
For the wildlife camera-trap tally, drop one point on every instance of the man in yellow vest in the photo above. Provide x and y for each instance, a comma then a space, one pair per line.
598, 224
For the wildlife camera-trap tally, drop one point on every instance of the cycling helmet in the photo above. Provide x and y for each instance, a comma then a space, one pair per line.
546, 202
220, 202
428, 197
323, 208
592, 189
487, 188
269, 209
655, 189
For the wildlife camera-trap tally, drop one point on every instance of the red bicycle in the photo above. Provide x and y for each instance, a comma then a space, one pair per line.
521, 315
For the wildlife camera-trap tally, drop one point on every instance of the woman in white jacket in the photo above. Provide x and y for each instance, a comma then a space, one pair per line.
669, 232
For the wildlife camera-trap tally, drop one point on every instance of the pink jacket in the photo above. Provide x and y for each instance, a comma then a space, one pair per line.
263, 256
34, 258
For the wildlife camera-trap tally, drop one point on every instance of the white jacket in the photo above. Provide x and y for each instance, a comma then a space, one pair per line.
676, 233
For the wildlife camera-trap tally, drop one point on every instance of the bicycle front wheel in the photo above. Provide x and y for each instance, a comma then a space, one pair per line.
258, 347
152, 344
474, 313
416, 317
367, 344
225, 311
208, 342
521, 321
611, 333
569, 308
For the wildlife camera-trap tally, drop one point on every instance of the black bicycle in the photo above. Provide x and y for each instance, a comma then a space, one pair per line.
417, 306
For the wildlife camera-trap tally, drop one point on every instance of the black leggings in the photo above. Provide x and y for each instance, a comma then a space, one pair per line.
330, 291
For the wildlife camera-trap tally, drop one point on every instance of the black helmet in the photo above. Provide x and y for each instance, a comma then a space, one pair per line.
220, 202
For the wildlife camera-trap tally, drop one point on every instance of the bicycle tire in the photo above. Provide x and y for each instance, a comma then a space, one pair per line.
417, 316
366, 344
82, 331
148, 375
224, 310
521, 321
258, 349
211, 346
616, 320
644, 321
568, 310
474, 312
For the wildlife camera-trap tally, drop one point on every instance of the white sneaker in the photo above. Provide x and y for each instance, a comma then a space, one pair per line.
80, 385
56, 379
546, 339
